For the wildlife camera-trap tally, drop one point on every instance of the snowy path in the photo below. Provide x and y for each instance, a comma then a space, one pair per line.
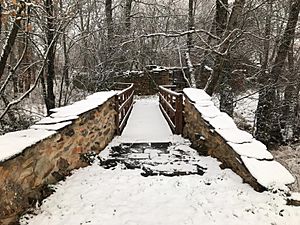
123, 193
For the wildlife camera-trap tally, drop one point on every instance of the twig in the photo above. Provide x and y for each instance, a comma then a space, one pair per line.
35, 82
12, 71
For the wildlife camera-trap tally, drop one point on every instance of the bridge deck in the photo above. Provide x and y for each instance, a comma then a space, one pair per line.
146, 123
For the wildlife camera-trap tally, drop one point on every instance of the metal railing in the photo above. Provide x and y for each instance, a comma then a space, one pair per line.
124, 104
171, 105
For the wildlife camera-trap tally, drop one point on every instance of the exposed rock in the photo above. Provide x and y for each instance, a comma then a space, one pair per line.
166, 160
69, 132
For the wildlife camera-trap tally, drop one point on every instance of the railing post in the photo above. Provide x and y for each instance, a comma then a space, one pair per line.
117, 117
179, 114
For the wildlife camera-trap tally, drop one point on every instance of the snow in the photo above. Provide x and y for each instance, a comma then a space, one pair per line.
196, 95
51, 120
208, 68
83, 106
146, 123
94, 195
180, 166
205, 103
139, 156
102, 96
246, 107
54, 127
208, 111
235, 135
295, 196
222, 121
158, 70
270, 174
254, 149
12, 144
254, 154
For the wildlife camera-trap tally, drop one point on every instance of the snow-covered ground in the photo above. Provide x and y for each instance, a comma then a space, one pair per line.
246, 106
95, 195
244, 110
119, 196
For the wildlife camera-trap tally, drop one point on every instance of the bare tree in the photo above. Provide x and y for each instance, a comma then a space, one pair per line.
191, 27
221, 16
11, 38
109, 23
268, 128
222, 69
127, 12
50, 31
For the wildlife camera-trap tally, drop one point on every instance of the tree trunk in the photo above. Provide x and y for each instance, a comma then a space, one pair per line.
261, 119
290, 100
11, 38
128, 6
226, 92
221, 16
218, 28
84, 29
65, 74
127, 59
271, 124
50, 100
191, 26
222, 70
1, 18
233, 22
24, 48
288, 37
109, 23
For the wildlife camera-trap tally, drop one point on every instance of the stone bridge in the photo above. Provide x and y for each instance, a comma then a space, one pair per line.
48, 151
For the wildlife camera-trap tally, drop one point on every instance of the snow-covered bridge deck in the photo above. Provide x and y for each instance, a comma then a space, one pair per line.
146, 123
118, 195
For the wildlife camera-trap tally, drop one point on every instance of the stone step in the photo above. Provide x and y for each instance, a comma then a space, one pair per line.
154, 159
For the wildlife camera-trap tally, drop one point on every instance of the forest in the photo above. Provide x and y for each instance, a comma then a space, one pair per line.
53, 52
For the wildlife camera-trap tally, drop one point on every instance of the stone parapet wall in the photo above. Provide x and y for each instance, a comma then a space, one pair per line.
208, 142
214, 133
146, 82
24, 178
